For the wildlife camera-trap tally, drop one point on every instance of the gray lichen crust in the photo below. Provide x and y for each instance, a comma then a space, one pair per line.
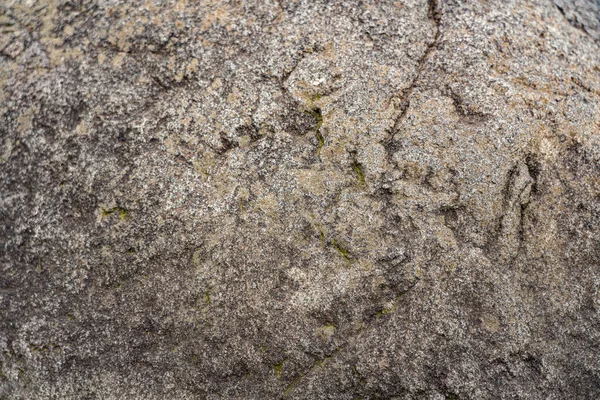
300, 199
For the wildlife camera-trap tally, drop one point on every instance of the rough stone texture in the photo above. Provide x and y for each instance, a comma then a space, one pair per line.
300, 199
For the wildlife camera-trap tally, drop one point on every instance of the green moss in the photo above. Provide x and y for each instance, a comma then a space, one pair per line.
321, 140
278, 369
293, 383
359, 172
387, 310
383, 312
108, 212
197, 257
391, 309
263, 348
342, 251
320, 363
207, 297
317, 114
327, 330
317, 364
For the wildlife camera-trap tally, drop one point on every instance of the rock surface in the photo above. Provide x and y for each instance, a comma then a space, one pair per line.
300, 199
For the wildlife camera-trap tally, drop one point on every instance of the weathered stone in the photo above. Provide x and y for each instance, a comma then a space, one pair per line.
300, 199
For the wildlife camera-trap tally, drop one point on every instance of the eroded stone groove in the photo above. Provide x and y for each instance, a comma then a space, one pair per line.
435, 14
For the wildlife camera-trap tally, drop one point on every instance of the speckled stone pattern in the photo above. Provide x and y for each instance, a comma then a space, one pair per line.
300, 199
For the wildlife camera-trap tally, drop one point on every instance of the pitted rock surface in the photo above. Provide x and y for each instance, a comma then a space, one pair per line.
300, 199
